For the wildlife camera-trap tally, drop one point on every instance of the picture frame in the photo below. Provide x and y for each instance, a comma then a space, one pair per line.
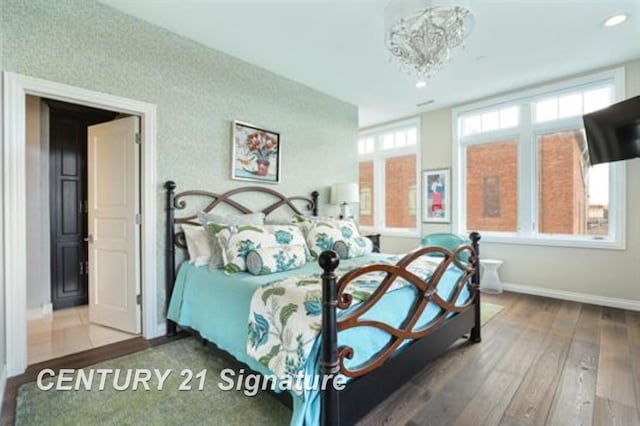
256, 153
436, 196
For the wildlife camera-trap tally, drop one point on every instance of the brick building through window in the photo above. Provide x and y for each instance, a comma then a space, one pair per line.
524, 169
388, 177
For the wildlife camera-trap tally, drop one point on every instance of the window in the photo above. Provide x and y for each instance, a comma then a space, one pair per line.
388, 178
492, 186
523, 168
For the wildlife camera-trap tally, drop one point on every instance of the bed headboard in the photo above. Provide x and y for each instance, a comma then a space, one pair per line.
178, 201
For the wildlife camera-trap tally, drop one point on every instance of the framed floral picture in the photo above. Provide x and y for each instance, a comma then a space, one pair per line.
436, 196
255, 154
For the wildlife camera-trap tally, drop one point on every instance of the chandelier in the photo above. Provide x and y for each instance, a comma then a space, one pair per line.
421, 34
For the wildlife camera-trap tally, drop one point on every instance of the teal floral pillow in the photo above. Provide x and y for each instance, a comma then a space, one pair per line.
353, 247
237, 241
269, 260
322, 235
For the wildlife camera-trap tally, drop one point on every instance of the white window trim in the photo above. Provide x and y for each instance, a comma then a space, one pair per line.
378, 184
526, 199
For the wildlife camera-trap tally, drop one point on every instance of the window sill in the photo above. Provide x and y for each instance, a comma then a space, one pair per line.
552, 242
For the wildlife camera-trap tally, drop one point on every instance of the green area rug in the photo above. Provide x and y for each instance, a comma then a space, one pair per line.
488, 311
167, 407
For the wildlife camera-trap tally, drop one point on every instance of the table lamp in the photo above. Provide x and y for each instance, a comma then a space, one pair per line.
343, 194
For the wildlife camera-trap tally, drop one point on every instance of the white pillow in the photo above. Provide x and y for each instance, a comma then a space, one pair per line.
216, 259
198, 244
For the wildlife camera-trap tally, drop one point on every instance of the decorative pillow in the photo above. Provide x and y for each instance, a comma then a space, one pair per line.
322, 235
237, 241
198, 244
216, 259
305, 222
353, 247
269, 260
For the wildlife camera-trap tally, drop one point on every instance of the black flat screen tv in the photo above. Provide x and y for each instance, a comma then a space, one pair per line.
613, 133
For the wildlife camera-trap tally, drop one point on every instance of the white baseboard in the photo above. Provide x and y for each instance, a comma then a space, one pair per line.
612, 302
46, 309
3, 384
159, 331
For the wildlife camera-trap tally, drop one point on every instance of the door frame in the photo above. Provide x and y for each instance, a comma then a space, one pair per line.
16, 87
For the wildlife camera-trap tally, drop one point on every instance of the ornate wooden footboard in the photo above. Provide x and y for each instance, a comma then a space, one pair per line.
387, 370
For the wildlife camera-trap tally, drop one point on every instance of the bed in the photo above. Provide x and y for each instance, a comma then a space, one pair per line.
374, 344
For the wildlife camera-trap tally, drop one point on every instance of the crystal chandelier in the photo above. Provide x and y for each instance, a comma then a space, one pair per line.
421, 34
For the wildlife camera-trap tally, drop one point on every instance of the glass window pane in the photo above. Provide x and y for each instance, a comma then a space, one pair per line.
546, 110
570, 105
401, 139
412, 137
597, 99
387, 141
361, 146
366, 193
369, 145
492, 187
490, 121
471, 125
573, 198
400, 187
509, 117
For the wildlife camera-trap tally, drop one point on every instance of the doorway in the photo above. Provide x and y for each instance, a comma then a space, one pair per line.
68, 194
61, 319
15, 89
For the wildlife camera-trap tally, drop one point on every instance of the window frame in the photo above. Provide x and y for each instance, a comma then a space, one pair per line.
525, 135
378, 157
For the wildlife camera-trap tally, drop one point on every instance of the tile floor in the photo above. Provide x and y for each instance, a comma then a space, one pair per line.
67, 331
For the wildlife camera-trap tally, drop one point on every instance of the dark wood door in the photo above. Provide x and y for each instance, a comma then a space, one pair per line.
68, 200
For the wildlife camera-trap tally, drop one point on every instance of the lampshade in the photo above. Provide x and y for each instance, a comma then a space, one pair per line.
345, 193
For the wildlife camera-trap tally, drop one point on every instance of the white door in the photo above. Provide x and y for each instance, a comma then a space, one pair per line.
114, 237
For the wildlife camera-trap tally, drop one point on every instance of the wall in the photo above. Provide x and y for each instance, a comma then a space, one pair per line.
198, 92
436, 154
3, 358
608, 273
38, 232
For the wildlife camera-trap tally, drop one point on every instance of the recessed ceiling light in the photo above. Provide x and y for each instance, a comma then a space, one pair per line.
421, 83
615, 20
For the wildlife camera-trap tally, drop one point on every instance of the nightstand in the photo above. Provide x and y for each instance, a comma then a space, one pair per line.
375, 239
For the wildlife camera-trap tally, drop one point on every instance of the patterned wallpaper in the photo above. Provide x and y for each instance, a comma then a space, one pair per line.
198, 91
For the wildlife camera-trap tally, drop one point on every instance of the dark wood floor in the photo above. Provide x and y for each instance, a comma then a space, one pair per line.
541, 361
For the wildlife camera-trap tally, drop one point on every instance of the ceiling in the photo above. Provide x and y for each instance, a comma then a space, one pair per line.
337, 46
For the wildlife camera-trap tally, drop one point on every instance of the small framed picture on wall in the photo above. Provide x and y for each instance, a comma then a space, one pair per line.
436, 196
255, 154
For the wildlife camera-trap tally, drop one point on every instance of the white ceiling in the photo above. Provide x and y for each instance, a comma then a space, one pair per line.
337, 46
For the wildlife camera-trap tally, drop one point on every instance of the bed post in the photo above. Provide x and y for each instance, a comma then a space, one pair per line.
170, 271
475, 280
314, 198
330, 412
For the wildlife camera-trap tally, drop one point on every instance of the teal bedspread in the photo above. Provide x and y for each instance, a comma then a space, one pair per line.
217, 306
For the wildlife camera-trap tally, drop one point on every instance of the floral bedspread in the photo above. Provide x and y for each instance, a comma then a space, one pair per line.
285, 316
